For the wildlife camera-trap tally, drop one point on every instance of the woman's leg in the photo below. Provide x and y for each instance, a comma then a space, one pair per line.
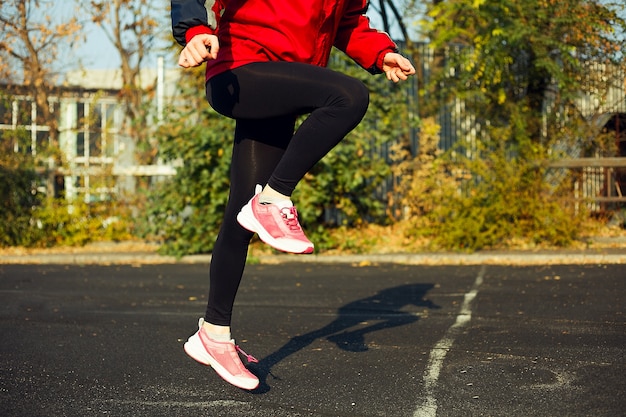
336, 103
265, 98
258, 147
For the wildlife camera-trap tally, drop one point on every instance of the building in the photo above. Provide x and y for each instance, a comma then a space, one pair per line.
98, 156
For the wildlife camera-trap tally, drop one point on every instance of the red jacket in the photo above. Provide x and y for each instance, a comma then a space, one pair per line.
282, 30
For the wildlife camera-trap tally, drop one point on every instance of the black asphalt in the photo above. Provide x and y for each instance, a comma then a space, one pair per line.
332, 339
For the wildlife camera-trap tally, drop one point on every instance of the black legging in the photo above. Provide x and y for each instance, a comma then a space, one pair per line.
265, 99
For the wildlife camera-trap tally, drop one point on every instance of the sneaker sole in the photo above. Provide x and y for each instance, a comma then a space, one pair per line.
196, 351
247, 220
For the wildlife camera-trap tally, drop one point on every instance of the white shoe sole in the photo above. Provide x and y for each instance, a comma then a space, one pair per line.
194, 348
247, 220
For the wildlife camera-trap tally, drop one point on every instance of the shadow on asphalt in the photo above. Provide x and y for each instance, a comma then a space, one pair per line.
385, 308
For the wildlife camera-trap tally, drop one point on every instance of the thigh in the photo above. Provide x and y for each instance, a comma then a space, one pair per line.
272, 89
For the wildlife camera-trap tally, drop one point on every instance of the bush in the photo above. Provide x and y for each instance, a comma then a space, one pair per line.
18, 188
57, 222
184, 212
460, 203
31, 219
18, 196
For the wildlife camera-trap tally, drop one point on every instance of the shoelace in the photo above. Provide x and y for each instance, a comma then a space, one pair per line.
249, 358
291, 217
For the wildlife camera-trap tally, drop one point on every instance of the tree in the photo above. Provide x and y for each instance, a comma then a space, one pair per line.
31, 48
132, 27
514, 71
524, 57
184, 212
394, 17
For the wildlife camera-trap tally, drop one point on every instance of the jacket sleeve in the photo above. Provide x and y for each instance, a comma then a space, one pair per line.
364, 44
192, 17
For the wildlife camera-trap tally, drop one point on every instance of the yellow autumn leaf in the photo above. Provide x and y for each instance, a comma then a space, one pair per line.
501, 97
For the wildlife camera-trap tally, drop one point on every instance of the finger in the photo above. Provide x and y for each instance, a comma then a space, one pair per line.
402, 75
405, 65
209, 48
198, 54
213, 49
183, 62
187, 61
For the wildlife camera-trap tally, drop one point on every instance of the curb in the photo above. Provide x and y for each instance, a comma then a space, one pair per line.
614, 256
460, 259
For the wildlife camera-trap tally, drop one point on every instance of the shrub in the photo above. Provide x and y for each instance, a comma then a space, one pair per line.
184, 212
18, 188
17, 198
57, 222
462, 203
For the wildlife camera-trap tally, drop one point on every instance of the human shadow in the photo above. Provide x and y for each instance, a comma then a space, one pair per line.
353, 320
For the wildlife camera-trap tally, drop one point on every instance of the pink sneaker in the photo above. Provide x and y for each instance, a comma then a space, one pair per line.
276, 226
223, 357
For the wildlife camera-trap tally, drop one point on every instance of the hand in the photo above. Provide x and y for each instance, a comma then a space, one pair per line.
397, 67
199, 49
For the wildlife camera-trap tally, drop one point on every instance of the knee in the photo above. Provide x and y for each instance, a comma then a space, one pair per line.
360, 96
354, 98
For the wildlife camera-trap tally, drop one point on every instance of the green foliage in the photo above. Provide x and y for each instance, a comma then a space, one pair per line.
18, 194
29, 219
517, 70
17, 199
461, 203
526, 57
56, 222
343, 189
185, 212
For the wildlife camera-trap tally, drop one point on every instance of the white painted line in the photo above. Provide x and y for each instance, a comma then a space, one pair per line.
428, 406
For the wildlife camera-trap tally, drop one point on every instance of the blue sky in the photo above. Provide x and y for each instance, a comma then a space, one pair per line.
97, 51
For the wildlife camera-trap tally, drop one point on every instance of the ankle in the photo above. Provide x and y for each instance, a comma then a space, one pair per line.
218, 333
269, 192
270, 196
